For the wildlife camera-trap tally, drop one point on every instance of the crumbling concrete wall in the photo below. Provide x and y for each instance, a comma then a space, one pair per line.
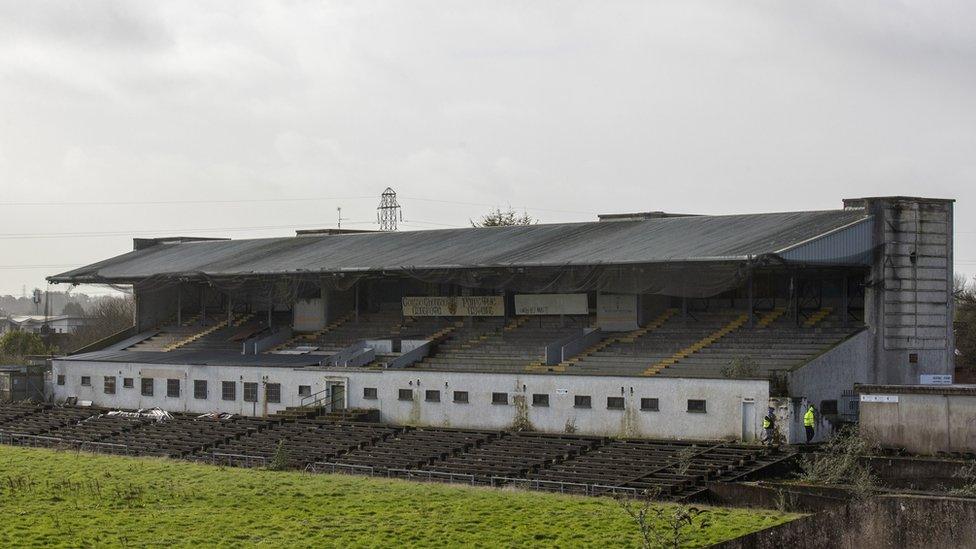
885, 522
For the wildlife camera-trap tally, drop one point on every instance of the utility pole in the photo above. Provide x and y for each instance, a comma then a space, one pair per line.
339, 215
388, 211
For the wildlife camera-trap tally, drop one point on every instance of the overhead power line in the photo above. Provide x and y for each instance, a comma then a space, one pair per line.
179, 202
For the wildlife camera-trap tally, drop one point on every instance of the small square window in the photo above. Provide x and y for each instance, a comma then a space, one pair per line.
696, 406
200, 389
109, 385
540, 400
228, 390
461, 397
432, 395
272, 393
173, 388
913, 358
405, 394
304, 390
582, 401
649, 405
147, 386
86, 381
127, 383
499, 398
615, 403
250, 391
369, 393
60, 379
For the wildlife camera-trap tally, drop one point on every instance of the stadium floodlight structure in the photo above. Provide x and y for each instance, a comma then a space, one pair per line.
388, 211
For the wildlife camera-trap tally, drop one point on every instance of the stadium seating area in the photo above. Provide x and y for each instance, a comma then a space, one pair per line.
305, 441
705, 343
701, 344
558, 462
497, 345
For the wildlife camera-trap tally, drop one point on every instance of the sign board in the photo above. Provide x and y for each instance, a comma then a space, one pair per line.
309, 315
936, 379
562, 391
616, 312
482, 305
879, 398
551, 304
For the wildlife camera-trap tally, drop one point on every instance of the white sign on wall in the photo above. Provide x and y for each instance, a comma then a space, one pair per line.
482, 305
551, 304
879, 398
309, 315
616, 312
936, 379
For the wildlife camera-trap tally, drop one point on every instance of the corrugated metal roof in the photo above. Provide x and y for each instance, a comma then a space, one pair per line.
664, 240
199, 358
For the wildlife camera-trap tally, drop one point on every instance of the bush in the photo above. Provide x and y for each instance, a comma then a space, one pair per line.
741, 367
838, 463
19, 344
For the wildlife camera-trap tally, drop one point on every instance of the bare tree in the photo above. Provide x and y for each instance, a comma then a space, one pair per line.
106, 317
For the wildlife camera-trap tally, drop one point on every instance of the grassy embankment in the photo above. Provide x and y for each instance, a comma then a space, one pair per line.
50, 498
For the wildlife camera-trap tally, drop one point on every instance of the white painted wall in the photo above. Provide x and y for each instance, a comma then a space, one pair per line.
722, 419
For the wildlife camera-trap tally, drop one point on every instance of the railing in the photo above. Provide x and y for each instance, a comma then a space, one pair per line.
415, 474
237, 460
564, 487
464, 478
344, 468
40, 441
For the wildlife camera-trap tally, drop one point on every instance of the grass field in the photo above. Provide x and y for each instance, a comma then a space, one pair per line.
67, 499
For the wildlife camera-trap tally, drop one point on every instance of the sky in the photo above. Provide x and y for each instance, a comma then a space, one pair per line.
252, 119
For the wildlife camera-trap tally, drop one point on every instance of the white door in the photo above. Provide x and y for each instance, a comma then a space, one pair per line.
748, 420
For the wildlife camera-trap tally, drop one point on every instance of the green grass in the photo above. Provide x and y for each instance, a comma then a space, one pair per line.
70, 499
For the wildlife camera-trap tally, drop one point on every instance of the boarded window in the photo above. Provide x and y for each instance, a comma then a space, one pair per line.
582, 401
369, 393
432, 395
461, 397
649, 405
272, 392
696, 406
200, 389
405, 394
540, 400
615, 403
86, 381
250, 392
828, 407
127, 383
499, 398
147, 386
109, 385
60, 379
173, 388
228, 390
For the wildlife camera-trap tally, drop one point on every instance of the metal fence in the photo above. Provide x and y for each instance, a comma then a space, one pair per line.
40, 441
237, 460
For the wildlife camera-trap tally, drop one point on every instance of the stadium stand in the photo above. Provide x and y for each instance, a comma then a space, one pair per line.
669, 469
415, 448
514, 454
183, 435
494, 345
304, 442
554, 462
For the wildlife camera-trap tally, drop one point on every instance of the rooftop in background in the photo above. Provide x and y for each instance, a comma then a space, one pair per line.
841, 236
